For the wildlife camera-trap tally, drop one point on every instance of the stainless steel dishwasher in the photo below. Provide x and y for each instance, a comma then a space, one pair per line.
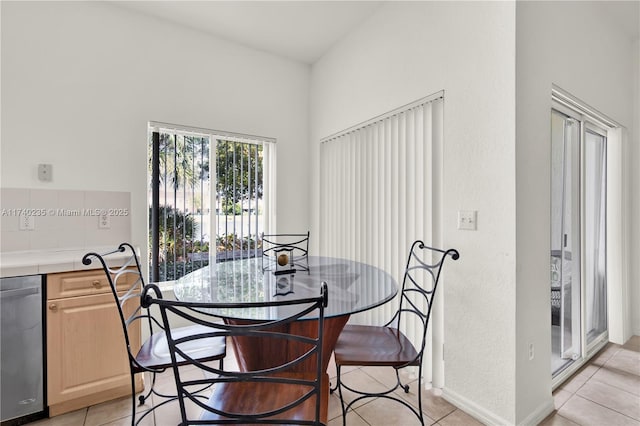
22, 350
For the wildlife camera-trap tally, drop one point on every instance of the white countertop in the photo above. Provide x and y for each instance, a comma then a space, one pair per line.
19, 263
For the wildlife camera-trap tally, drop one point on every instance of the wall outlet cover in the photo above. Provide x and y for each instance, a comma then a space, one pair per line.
45, 172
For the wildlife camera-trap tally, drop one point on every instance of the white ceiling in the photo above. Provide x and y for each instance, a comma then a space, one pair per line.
299, 30
304, 30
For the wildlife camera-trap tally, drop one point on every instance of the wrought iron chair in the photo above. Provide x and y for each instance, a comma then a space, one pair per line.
278, 394
285, 250
152, 356
388, 346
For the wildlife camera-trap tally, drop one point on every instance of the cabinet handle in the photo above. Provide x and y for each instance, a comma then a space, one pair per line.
96, 284
53, 307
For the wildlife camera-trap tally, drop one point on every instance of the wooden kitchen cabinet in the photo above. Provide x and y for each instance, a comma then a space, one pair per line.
86, 356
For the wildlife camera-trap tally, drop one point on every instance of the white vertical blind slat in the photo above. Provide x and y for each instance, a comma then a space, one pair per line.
394, 173
427, 223
437, 323
353, 196
402, 208
270, 160
361, 191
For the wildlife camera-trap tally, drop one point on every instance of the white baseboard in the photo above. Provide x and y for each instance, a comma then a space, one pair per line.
474, 410
539, 414
489, 418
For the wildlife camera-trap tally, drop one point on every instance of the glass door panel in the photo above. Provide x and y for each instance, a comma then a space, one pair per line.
565, 241
595, 276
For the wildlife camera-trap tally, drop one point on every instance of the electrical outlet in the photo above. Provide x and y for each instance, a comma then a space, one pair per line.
467, 220
45, 172
104, 221
531, 352
27, 223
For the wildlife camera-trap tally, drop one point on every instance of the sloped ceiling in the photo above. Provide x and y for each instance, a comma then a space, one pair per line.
299, 30
305, 30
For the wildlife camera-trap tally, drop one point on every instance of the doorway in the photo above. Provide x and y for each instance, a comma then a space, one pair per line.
578, 239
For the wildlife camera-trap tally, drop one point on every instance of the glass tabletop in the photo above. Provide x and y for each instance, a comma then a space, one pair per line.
352, 286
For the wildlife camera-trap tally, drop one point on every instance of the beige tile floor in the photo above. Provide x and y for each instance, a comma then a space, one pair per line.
605, 392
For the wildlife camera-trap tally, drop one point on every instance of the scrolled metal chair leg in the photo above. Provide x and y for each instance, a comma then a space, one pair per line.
404, 387
344, 409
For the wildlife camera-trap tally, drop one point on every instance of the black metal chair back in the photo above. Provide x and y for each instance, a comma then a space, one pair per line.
127, 271
124, 274
294, 248
419, 284
272, 395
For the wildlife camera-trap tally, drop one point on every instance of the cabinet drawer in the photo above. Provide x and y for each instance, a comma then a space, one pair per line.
83, 283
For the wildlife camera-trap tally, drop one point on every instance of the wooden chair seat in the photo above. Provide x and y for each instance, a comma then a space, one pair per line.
154, 353
374, 346
254, 398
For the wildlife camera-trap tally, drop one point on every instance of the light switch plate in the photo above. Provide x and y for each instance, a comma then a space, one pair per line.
467, 220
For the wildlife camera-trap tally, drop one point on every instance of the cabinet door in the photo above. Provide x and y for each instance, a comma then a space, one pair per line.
86, 352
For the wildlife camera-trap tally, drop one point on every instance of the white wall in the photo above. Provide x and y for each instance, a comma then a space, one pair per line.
80, 81
575, 46
408, 50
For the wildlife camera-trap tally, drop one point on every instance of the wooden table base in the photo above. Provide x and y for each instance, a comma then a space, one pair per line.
256, 353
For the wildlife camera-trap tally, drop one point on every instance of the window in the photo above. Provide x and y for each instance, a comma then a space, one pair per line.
209, 197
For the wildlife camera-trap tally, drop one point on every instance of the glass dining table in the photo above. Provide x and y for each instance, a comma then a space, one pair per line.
352, 287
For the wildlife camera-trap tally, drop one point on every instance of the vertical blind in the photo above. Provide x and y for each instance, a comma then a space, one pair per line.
380, 191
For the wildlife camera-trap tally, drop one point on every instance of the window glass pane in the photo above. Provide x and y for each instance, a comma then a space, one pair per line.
184, 199
239, 191
595, 235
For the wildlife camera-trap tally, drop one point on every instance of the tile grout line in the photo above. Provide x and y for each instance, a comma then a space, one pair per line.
615, 370
613, 386
617, 387
566, 418
591, 379
362, 418
608, 408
